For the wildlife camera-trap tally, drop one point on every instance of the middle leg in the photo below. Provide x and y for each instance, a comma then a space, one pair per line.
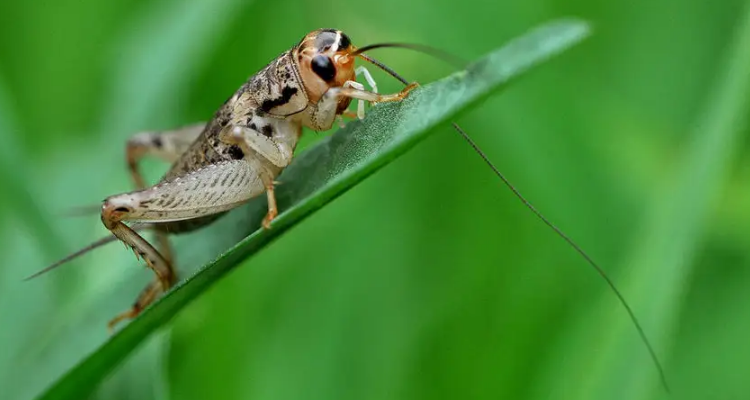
167, 145
277, 152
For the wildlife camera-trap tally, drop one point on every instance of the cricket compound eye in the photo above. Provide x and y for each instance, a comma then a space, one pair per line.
344, 42
323, 67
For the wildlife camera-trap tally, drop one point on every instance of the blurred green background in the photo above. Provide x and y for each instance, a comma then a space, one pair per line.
429, 280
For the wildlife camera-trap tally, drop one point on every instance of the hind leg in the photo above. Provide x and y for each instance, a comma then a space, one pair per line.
166, 145
207, 191
146, 297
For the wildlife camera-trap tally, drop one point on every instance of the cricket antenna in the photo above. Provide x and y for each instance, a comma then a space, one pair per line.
429, 50
457, 62
578, 249
83, 211
98, 243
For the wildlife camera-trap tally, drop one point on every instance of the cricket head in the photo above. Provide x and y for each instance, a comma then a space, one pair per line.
325, 60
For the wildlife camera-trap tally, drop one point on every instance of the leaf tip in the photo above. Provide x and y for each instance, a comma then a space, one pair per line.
568, 30
576, 26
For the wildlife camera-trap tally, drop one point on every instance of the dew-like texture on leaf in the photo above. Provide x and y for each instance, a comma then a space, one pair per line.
321, 174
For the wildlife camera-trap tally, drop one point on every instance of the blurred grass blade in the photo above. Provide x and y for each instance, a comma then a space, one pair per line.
183, 41
661, 261
325, 172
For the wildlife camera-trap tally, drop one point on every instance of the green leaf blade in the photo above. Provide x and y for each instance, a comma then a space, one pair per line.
325, 172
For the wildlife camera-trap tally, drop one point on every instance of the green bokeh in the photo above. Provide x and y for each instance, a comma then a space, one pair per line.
428, 280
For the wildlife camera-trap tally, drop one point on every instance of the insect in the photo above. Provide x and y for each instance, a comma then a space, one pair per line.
221, 164
236, 156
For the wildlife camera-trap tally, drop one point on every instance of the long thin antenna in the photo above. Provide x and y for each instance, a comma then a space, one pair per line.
82, 251
384, 68
518, 194
83, 211
422, 48
577, 248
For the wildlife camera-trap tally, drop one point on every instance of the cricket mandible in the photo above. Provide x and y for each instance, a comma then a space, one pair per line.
236, 156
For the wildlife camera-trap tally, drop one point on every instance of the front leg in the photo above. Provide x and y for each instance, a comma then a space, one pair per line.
324, 112
373, 97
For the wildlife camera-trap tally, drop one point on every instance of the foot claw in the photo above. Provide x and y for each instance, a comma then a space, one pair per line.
267, 220
130, 314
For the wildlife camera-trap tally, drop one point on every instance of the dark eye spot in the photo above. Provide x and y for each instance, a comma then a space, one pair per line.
344, 42
323, 66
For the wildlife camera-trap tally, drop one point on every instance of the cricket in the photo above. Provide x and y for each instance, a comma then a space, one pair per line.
236, 156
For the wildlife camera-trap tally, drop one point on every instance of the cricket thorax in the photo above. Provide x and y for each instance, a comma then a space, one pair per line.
277, 89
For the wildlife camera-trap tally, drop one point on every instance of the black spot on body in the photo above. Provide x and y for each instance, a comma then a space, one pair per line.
267, 131
157, 142
253, 126
235, 152
286, 95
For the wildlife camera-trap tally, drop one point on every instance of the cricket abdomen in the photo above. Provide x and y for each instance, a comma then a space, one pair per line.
187, 225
